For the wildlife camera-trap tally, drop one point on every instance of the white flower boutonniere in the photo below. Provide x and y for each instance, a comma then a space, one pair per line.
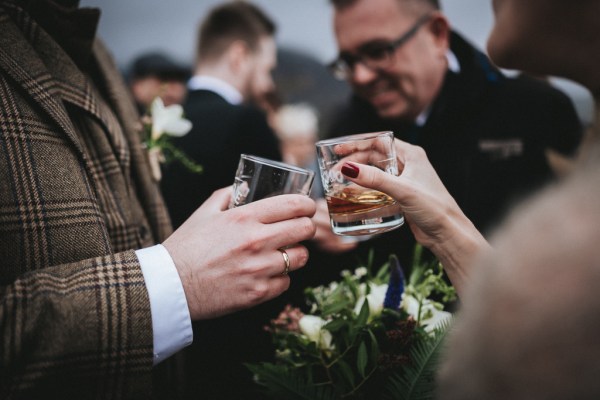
161, 124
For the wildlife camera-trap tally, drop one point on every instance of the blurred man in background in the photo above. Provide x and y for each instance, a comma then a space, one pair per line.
236, 54
485, 134
154, 75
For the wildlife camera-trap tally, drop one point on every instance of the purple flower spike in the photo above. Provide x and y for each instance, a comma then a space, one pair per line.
393, 296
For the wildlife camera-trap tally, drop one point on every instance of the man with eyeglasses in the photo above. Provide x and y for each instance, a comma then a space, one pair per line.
486, 135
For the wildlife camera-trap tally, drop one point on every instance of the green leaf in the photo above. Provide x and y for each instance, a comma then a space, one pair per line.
374, 353
418, 268
362, 358
370, 258
335, 325
173, 153
363, 316
415, 382
346, 373
281, 383
334, 308
383, 274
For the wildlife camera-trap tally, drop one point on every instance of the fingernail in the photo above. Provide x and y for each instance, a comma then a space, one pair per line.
350, 170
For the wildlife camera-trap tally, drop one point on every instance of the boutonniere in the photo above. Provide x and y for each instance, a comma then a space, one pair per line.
160, 124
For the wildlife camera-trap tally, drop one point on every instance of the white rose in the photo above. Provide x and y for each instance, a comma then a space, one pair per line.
436, 320
434, 316
168, 120
376, 297
311, 326
325, 340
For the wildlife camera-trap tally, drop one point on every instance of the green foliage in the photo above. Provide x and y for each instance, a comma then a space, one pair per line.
415, 381
169, 151
281, 383
427, 279
349, 347
172, 153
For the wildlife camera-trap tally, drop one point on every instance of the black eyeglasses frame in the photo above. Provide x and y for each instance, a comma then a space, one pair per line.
342, 67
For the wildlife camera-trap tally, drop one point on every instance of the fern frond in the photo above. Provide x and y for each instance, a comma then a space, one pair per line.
284, 384
416, 380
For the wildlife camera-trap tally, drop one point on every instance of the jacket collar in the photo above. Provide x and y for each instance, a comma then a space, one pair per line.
73, 27
36, 62
19, 60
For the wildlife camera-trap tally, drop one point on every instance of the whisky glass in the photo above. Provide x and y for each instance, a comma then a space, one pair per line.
353, 209
258, 178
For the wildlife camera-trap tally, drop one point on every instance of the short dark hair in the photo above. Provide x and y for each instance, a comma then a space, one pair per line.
236, 20
434, 4
157, 65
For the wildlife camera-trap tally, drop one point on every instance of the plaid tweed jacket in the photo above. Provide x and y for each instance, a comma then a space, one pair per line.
76, 198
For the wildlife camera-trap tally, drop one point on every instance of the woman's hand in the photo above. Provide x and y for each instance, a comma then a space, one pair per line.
433, 215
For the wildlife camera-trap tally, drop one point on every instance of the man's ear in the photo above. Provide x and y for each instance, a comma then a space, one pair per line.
439, 27
237, 55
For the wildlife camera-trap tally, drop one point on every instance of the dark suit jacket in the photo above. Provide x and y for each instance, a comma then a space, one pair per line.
220, 133
76, 198
485, 136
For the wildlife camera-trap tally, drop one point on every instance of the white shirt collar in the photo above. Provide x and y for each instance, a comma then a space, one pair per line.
453, 64
219, 86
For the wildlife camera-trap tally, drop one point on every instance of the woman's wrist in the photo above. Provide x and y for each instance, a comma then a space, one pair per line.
458, 244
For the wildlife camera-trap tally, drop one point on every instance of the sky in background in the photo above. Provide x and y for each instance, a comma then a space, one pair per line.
132, 27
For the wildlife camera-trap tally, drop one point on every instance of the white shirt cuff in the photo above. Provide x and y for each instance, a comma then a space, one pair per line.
171, 322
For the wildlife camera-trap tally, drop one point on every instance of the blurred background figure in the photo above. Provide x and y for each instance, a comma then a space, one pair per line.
154, 75
236, 55
486, 134
296, 126
158, 23
301, 78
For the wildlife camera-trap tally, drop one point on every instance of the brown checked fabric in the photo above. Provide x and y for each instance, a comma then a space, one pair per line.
76, 198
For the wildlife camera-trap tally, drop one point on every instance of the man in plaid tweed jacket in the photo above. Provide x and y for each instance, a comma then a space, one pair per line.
77, 313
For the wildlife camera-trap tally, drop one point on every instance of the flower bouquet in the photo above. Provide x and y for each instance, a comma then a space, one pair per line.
368, 336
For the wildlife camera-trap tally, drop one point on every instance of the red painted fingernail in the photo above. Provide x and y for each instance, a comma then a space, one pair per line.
350, 170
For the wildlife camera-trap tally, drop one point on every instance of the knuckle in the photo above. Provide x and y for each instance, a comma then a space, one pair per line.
419, 152
313, 207
307, 227
286, 284
376, 179
259, 292
253, 244
295, 202
240, 217
302, 256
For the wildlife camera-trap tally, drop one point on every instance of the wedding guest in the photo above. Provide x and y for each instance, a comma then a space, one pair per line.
236, 53
550, 340
89, 298
297, 127
528, 328
485, 134
154, 75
